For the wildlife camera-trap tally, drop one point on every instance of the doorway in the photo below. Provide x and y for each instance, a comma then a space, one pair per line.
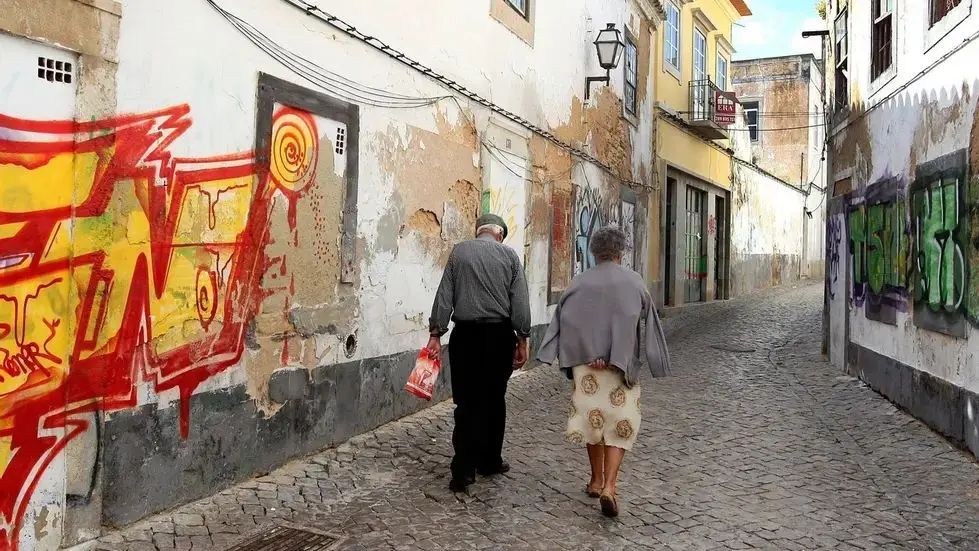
670, 260
720, 248
695, 253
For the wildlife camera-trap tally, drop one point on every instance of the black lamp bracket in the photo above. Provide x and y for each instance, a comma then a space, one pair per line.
590, 80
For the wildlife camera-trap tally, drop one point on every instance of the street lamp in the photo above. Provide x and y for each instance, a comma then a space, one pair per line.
609, 47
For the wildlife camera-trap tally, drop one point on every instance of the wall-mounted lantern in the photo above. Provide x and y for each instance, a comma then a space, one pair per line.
609, 46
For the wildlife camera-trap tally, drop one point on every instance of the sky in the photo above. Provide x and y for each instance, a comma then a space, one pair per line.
775, 29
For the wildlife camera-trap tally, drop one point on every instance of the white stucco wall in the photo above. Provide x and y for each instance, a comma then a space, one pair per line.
163, 63
768, 224
908, 121
183, 52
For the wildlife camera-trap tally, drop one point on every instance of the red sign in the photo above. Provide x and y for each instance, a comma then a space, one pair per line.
725, 107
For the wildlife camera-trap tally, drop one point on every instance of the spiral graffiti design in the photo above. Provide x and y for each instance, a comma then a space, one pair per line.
294, 150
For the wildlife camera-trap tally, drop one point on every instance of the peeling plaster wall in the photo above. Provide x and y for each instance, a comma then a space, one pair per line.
768, 226
254, 258
904, 300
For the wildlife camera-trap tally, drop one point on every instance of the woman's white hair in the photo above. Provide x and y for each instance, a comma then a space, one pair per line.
607, 243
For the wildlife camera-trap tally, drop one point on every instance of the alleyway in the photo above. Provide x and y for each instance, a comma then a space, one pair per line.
756, 443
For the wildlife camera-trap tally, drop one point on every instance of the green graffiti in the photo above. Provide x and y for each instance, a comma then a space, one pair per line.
887, 251
876, 253
880, 246
940, 259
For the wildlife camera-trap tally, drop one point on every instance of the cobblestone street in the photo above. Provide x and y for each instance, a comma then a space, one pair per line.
756, 443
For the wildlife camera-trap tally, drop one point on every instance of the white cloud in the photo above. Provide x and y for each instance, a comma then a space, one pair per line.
752, 33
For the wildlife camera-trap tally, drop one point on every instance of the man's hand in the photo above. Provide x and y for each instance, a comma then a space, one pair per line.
434, 347
600, 365
521, 354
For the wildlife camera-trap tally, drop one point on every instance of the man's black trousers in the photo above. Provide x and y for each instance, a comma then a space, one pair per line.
481, 362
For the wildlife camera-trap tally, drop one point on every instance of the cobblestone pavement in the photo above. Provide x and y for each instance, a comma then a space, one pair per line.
756, 443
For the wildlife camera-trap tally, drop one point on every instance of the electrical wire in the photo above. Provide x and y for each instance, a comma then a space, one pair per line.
345, 88
313, 10
776, 129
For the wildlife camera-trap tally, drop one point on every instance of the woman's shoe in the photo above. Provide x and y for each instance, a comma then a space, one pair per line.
593, 492
610, 505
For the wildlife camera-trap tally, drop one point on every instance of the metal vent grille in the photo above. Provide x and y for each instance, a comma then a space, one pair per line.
341, 140
53, 70
284, 538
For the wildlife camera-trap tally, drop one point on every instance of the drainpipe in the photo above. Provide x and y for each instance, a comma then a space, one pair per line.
828, 153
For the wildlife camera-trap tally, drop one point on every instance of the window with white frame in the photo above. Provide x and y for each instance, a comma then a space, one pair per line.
671, 41
751, 115
631, 74
520, 5
700, 97
699, 55
882, 35
842, 51
721, 72
940, 9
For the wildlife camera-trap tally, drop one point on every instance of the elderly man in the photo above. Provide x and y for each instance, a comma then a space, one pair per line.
484, 292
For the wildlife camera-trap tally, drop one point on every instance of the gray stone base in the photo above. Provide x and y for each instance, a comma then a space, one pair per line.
752, 272
948, 409
148, 467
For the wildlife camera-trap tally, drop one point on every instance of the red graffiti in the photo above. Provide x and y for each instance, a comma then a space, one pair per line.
97, 304
711, 225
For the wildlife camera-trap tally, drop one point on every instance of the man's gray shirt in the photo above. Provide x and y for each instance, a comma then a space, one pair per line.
483, 282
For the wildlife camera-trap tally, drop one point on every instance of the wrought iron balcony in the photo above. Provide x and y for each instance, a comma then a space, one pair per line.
712, 110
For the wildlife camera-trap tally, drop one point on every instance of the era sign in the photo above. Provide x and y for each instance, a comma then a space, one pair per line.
725, 107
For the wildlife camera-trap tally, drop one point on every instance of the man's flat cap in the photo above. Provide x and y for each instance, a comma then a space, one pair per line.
493, 219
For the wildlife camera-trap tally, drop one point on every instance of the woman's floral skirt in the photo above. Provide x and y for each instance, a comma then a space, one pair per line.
603, 409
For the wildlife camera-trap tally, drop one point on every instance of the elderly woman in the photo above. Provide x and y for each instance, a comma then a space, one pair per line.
597, 338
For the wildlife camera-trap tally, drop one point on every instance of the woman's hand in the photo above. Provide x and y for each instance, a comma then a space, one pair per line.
599, 365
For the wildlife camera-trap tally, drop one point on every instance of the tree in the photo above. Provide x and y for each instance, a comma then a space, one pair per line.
821, 9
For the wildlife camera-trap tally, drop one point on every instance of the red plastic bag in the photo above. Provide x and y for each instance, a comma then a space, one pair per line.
421, 382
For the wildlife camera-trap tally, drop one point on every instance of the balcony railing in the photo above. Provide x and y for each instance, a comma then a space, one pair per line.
711, 109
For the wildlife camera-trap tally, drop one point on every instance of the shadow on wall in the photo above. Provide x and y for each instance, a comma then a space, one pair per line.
910, 240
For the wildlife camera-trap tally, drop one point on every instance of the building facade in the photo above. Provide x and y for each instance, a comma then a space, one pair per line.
782, 98
223, 223
903, 263
693, 64
778, 201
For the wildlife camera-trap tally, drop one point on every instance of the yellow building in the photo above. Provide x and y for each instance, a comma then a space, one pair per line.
689, 248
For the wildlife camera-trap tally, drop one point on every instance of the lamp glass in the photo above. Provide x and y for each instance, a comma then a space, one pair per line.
610, 47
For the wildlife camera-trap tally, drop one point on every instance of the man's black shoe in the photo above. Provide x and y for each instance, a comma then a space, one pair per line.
461, 484
502, 468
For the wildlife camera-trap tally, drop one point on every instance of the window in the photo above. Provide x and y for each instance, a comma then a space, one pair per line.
721, 72
699, 55
519, 5
700, 107
631, 75
751, 113
881, 55
842, 48
940, 8
671, 46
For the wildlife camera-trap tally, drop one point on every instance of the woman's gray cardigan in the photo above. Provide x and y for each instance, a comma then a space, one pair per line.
603, 315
